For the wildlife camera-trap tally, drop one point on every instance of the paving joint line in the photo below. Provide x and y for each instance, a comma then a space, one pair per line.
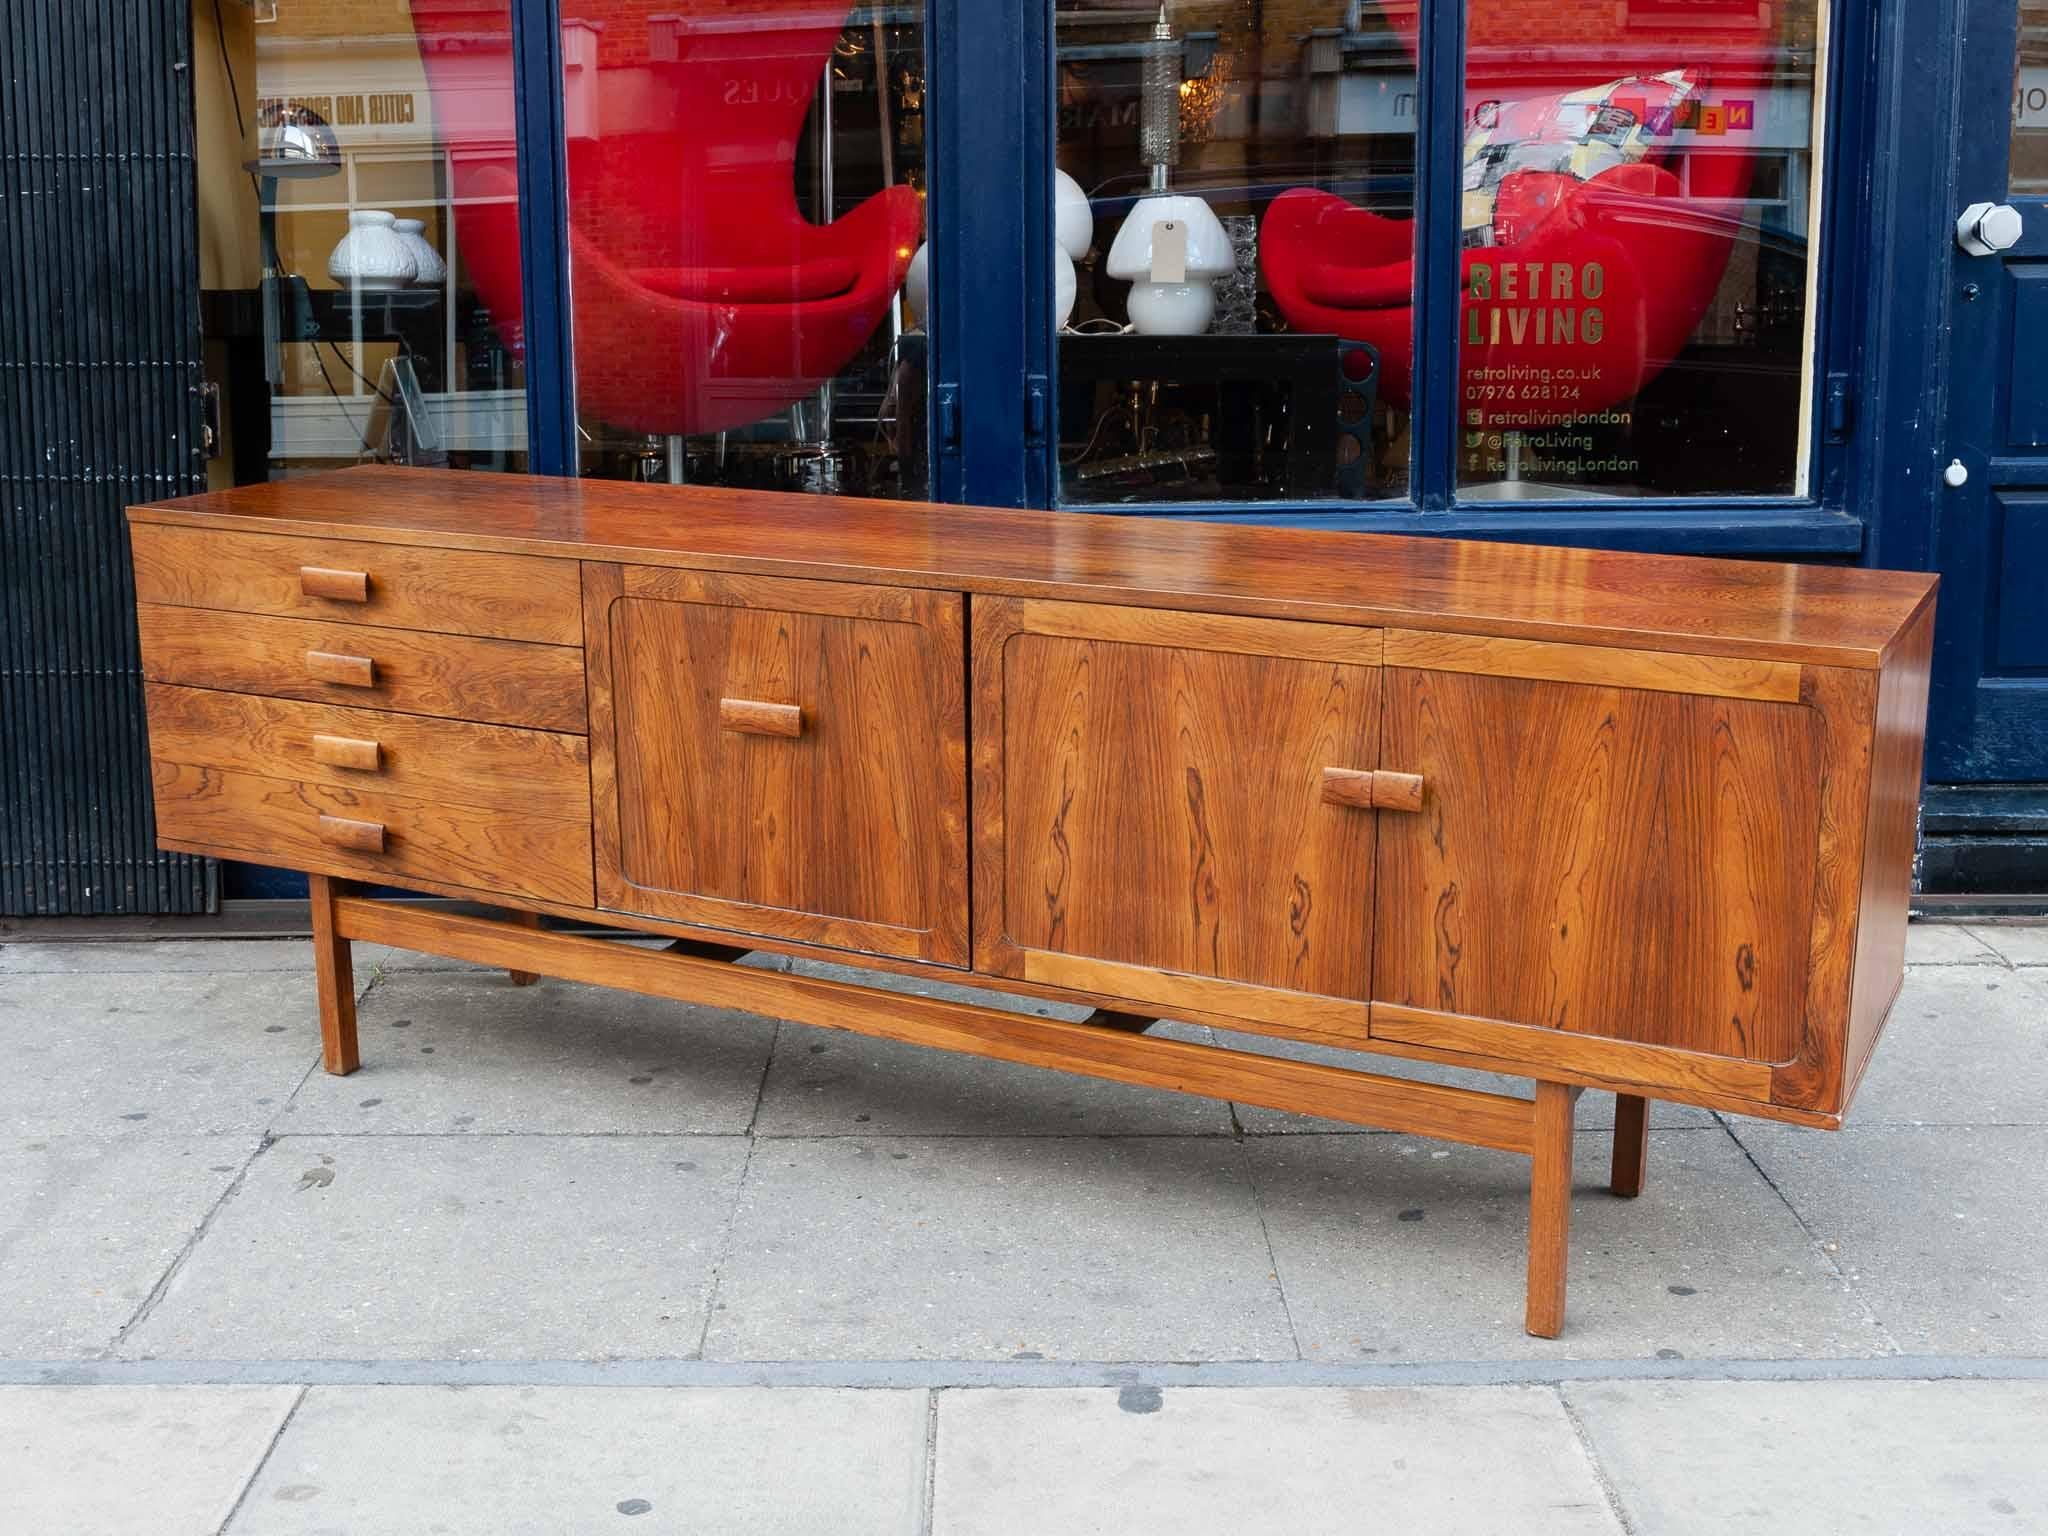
1602, 1479
950, 1375
929, 1513
1251, 1179
1812, 1238
255, 1472
192, 1241
739, 1193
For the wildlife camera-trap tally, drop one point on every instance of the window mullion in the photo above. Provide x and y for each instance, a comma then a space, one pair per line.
543, 236
1439, 150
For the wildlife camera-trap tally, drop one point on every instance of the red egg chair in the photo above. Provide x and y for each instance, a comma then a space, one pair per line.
702, 297
1655, 249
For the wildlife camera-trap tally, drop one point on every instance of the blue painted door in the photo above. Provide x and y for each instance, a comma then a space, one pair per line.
1990, 714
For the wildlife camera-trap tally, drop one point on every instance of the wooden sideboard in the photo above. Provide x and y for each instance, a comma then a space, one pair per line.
1626, 822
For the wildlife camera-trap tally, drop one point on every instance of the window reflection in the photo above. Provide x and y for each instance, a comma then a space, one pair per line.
1635, 199
1635, 213
744, 206
1204, 366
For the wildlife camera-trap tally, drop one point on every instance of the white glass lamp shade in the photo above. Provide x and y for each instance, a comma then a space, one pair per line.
432, 270
1064, 287
371, 254
1181, 308
1209, 254
1073, 220
917, 282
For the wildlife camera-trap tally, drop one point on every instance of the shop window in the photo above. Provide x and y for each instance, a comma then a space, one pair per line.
1234, 178
1637, 206
745, 209
1636, 229
359, 234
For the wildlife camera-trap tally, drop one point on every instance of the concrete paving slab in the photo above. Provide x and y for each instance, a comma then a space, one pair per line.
131, 1461
1396, 1248
830, 1083
528, 1461
1126, 1248
456, 1247
1904, 1458
1948, 944
1263, 1462
125, 1053
1941, 1231
89, 1225
156, 956
1595, 1109
473, 1053
1963, 1046
2016, 943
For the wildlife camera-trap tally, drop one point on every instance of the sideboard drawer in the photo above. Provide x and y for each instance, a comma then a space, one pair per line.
504, 682
468, 592
367, 832
781, 757
454, 762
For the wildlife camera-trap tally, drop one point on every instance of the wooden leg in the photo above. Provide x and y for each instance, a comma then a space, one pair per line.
524, 920
1550, 1207
335, 980
1631, 1144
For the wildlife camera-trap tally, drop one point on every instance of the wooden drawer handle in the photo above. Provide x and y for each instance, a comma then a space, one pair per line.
362, 836
348, 752
1374, 790
758, 719
348, 671
341, 586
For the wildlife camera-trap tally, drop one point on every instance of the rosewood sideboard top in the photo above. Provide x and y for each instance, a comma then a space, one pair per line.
1829, 615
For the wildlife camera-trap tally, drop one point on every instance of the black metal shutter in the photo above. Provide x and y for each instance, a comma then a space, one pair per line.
99, 407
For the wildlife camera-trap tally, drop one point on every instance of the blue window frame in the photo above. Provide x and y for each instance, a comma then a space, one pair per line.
993, 364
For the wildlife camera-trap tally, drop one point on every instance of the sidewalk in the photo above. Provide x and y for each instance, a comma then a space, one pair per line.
555, 1254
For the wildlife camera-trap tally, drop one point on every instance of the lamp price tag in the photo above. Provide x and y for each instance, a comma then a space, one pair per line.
1169, 251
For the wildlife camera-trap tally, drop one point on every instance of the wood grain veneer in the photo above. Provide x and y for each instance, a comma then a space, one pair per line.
836, 811
1159, 805
246, 815
461, 591
1618, 862
454, 762
1831, 615
501, 682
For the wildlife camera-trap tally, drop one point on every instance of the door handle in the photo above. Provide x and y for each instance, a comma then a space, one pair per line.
348, 752
362, 836
346, 671
1372, 790
340, 586
1985, 229
755, 718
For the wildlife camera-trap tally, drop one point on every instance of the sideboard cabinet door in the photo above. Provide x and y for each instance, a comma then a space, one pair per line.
1154, 813
781, 757
1631, 860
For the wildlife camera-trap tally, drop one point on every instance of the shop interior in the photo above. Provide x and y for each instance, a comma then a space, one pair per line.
1233, 200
